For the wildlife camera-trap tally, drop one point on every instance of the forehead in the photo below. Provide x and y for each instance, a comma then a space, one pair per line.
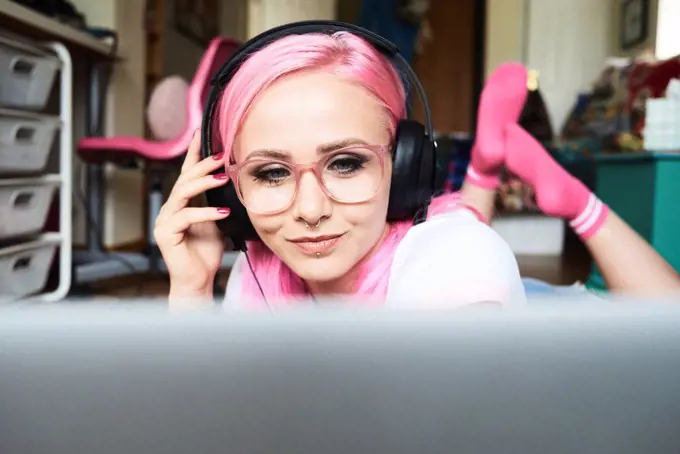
300, 112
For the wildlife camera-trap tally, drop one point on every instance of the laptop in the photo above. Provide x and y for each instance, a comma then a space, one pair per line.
125, 379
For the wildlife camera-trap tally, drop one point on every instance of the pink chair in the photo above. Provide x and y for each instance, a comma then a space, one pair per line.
121, 149
159, 157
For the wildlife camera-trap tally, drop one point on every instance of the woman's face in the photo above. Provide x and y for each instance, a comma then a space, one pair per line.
303, 118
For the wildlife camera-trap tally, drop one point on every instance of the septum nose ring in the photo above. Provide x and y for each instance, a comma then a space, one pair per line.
316, 226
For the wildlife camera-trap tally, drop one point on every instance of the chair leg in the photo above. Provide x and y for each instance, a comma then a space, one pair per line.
94, 200
155, 204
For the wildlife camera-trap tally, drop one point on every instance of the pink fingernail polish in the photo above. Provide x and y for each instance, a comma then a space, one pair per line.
221, 176
218, 156
223, 210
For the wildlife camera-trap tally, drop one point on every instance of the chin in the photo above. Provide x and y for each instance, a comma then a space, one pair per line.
319, 269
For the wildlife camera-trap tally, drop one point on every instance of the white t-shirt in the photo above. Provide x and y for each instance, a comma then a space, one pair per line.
451, 260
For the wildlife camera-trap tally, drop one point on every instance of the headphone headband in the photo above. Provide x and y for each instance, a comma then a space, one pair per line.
298, 28
231, 66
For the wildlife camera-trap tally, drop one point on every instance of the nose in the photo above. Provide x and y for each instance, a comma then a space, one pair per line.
311, 203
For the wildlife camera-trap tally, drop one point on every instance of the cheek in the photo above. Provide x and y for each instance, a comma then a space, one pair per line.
270, 231
370, 215
267, 225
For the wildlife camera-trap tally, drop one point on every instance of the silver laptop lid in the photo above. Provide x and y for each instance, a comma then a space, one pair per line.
94, 380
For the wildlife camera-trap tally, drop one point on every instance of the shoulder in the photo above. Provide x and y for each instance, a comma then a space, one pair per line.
455, 258
459, 232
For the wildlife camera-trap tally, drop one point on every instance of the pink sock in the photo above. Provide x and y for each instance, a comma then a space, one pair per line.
501, 104
557, 192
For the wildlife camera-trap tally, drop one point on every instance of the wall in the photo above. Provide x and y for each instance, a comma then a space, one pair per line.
234, 18
648, 44
265, 14
182, 54
508, 27
505, 32
124, 116
568, 42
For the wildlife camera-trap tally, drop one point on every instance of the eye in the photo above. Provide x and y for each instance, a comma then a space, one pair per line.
270, 174
347, 164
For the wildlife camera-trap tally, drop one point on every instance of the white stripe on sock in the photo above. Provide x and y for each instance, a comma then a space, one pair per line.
594, 216
592, 200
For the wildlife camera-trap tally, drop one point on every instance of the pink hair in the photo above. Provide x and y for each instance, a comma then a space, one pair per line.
347, 56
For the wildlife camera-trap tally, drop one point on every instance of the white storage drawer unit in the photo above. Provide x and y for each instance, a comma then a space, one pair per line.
24, 204
24, 268
36, 162
26, 140
27, 75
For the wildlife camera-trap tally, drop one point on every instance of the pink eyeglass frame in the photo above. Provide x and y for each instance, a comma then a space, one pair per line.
316, 167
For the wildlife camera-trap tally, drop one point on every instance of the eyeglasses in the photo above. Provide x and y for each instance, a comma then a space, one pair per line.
348, 175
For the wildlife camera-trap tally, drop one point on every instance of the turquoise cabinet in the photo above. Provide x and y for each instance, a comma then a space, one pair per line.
644, 190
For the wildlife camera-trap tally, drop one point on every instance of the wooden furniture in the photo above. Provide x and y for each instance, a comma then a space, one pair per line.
451, 65
643, 189
37, 30
27, 183
31, 24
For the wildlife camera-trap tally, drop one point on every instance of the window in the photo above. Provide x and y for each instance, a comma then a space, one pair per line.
667, 29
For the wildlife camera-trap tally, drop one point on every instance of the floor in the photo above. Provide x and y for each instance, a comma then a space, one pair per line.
572, 266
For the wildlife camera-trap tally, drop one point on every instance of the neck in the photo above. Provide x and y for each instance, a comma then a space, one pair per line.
346, 284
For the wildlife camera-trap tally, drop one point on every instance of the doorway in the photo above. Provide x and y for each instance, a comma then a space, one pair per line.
451, 64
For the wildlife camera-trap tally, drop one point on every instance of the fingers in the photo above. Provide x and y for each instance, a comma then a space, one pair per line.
185, 190
170, 225
195, 167
194, 151
193, 159
202, 168
197, 176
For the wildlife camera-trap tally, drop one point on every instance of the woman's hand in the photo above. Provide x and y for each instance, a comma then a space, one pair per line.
185, 229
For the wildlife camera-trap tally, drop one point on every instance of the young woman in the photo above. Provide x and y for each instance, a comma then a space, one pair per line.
333, 101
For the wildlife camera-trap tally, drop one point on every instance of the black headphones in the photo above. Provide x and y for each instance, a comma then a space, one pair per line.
414, 174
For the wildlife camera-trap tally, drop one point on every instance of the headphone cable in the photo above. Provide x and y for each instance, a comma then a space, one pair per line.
257, 281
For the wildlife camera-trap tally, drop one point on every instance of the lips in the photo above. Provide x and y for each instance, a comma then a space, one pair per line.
316, 246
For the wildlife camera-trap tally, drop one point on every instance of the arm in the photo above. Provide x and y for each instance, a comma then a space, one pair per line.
453, 260
628, 263
232, 297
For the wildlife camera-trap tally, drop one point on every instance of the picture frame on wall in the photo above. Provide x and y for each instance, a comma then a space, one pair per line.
633, 24
197, 19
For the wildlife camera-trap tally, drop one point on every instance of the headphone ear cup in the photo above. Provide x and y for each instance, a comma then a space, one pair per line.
407, 194
427, 182
237, 225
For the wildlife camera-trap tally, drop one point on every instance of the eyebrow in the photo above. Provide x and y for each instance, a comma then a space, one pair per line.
338, 144
275, 153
